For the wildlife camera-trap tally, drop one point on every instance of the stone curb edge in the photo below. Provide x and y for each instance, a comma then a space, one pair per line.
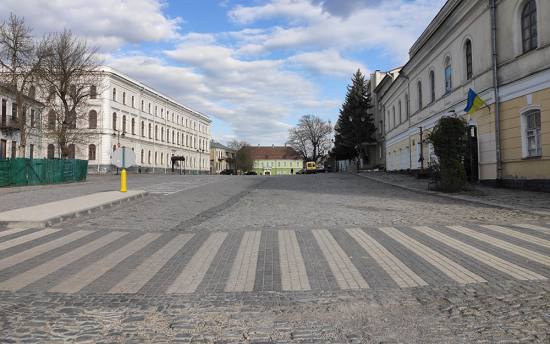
58, 219
458, 198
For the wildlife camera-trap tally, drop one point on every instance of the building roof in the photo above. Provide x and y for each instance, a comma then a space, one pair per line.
218, 145
273, 153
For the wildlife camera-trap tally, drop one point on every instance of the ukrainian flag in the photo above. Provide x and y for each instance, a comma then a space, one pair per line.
474, 102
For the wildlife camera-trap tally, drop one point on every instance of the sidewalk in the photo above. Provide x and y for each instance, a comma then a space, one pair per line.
46, 214
537, 203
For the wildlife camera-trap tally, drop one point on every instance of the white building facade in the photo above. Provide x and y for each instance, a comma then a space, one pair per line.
127, 113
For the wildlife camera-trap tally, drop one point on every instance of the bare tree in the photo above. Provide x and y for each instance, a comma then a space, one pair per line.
243, 157
19, 64
69, 76
311, 138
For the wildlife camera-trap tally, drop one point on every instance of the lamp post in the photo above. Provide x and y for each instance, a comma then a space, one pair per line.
118, 133
421, 159
356, 131
200, 150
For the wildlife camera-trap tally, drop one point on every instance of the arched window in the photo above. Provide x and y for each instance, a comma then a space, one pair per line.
142, 156
432, 85
155, 158
72, 151
133, 126
124, 98
51, 151
92, 120
142, 128
173, 137
468, 58
150, 131
32, 92
51, 120
149, 157
114, 120
156, 132
91, 152
419, 90
123, 123
93, 92
448, 75
529, 26
114, 94
393, 116
162, 134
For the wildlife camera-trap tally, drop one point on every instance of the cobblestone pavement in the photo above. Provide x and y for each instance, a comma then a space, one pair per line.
318, 259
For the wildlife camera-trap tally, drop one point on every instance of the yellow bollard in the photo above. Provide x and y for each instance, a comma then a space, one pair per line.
123, 180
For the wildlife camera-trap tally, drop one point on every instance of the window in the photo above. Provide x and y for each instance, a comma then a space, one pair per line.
142, 105
91, 152
156, 158
432, 86
156, 133
71, 151
150, 132
92, 119
162, 134
133, 126
149, 157
142, 156
13, 149
114, 94
124, 124
32, 92
419, 90
407, 112
93, 92
149, 110
114, 120
468, 56
393, 116
13, 110
124, 98
132, 101
51, 151
532, 133
33, 119
51, 120
31, 151
71, 119
400, 112
529, 26
142, 129
448, 75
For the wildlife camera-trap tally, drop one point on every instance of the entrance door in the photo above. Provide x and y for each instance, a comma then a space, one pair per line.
3, 147
471, 160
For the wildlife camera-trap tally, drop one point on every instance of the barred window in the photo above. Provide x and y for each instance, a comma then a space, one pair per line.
532, 119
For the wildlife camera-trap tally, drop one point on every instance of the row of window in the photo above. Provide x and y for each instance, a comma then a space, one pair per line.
175, 118
4, 114
262, 164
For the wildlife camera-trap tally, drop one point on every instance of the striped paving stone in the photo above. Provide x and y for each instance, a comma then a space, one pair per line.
40, 249
398, 271
495, 262
12, 231
346, 274
98, 268
22, 280
243, 271
293, 268
519, 235
151, 266
502, 244
455, 271
534, 227
26, 238
190, 278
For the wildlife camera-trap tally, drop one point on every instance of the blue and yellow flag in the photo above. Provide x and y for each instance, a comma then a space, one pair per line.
474, 102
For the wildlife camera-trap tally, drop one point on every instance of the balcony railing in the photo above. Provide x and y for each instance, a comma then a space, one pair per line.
9, 123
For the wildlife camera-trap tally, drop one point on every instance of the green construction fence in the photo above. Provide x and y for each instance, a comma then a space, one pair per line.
21, 171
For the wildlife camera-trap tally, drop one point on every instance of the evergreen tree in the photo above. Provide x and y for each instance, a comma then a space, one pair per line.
355, 124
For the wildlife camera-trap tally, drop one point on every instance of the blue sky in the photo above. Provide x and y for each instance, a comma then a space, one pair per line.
255, 67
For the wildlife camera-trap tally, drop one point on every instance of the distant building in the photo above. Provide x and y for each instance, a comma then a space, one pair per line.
10, 128
221, 158
510, 139
275, 160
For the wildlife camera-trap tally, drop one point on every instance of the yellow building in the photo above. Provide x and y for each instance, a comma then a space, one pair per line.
511, 138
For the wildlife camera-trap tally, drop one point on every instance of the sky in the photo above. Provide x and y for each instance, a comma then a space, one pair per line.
254, 67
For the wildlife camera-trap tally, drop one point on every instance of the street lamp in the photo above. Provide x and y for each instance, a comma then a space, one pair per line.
201, 150
117, 133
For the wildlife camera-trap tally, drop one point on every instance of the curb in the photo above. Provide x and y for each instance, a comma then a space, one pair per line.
458, 198
58, 219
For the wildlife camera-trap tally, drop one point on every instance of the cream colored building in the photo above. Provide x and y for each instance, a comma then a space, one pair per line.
221, 158
455, 54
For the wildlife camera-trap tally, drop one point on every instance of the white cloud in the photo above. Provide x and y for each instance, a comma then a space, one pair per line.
108, 23
328, 62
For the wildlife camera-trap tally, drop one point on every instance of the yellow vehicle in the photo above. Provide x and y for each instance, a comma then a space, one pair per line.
311, 167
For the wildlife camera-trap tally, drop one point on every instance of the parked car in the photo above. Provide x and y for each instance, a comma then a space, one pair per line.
251, 173
227, 172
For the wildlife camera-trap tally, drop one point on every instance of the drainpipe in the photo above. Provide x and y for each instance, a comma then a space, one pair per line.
496, 89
